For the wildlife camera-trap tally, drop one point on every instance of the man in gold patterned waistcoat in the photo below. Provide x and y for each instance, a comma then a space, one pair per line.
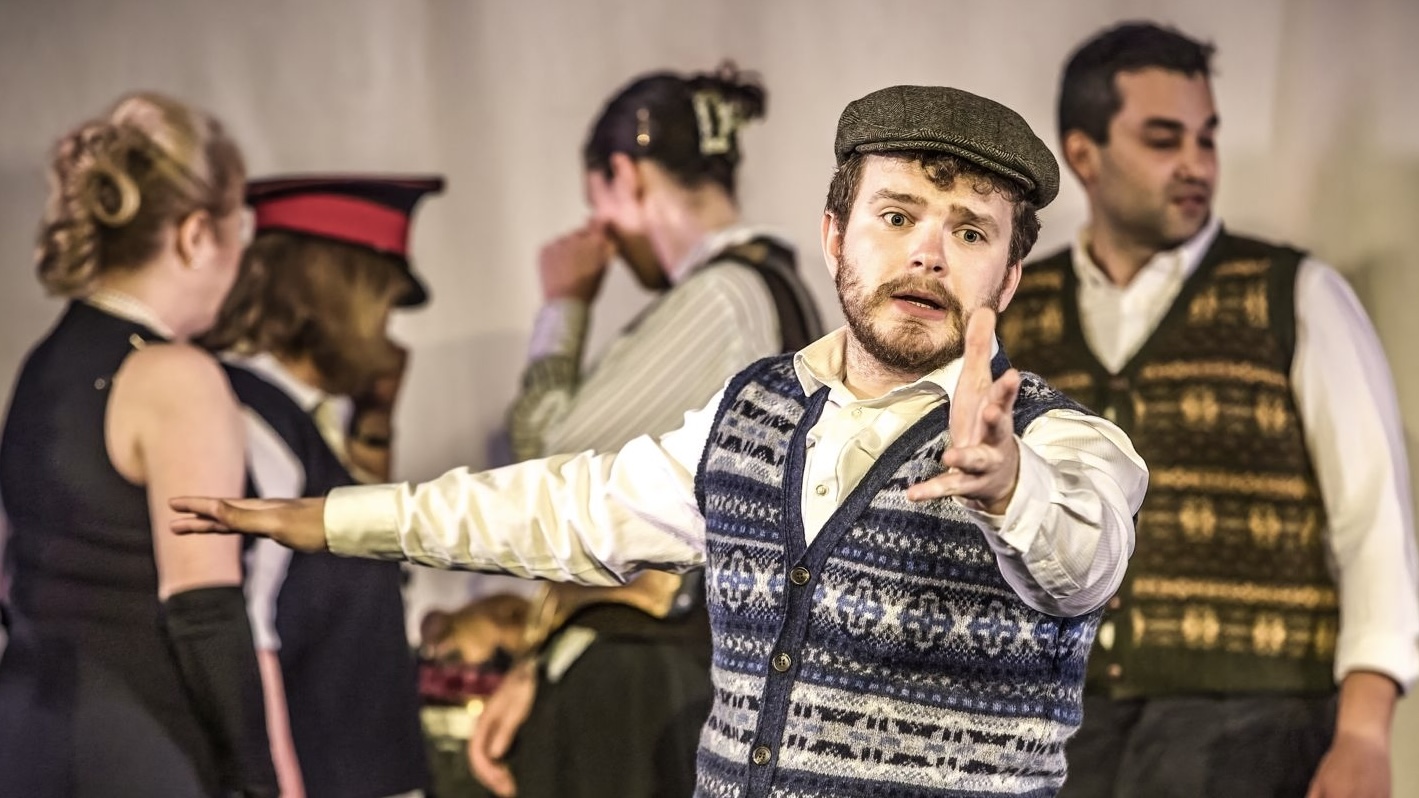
1268, 621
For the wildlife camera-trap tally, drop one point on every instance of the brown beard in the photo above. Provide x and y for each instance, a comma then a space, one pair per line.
908, 347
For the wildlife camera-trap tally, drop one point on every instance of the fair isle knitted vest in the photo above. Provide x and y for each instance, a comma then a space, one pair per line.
890, 658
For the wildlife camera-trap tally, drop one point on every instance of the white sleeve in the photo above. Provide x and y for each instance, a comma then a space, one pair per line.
1350, 414
278, 474
1064, 541
590, 518
266, 565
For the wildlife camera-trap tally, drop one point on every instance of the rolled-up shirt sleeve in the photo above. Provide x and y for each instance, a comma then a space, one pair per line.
588, 517
1350, 414
1064, 540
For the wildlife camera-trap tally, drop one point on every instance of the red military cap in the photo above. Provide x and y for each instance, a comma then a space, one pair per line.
366, 210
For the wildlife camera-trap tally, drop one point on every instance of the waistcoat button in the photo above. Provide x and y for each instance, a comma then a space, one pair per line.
762, 755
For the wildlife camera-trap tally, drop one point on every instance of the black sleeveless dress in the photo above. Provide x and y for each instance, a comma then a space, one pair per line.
91, 700
350, 677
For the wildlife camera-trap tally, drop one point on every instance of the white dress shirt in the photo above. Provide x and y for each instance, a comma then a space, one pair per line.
1350, 416
1062, 544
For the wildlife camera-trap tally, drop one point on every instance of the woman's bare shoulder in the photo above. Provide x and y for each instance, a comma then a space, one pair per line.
168, 372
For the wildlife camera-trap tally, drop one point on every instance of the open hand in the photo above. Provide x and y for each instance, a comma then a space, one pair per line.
983, 459
295, 523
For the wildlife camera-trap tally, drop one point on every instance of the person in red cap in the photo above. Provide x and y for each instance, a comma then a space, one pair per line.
307, 323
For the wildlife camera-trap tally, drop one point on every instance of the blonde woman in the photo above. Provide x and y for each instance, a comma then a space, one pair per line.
130, 669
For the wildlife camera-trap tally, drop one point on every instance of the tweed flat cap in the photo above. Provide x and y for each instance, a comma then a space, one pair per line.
942, 119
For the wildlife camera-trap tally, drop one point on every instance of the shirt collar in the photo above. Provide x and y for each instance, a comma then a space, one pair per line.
822, 363
308, 397
1181, 261
717, 242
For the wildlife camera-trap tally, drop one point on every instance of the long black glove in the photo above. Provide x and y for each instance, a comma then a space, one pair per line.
211, 637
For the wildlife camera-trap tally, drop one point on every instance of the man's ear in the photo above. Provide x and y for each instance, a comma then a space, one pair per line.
1081, 155
1012, 282
832, 243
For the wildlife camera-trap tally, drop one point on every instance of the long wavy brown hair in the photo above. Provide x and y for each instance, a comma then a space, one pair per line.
299, 296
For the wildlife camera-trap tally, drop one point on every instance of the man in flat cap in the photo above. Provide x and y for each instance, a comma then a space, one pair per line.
907, 543
1276, 553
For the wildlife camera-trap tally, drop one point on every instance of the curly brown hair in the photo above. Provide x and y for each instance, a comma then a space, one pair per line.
118, 182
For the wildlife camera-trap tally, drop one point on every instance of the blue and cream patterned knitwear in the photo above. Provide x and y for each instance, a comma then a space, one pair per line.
890, 658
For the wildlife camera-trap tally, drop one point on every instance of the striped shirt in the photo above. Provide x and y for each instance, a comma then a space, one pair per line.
672, 358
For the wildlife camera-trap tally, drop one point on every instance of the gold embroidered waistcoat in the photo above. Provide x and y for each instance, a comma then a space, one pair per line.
1228, 589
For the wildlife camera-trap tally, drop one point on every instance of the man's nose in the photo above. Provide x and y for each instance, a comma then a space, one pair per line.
928, 252
1198, 162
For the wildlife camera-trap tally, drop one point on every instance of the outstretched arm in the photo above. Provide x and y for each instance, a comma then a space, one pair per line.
587, 517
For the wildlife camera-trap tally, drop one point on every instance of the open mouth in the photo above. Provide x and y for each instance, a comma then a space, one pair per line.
920, 300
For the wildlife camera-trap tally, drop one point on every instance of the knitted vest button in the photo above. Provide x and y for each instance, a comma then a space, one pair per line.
799, 576
762, 755
782, 662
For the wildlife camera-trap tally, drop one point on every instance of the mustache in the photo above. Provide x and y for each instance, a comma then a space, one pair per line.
1189, 188
912, 285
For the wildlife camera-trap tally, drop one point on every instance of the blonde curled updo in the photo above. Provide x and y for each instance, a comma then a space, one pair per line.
117, 183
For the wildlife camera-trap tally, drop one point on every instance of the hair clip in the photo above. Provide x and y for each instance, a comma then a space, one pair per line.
642, 127
717, 120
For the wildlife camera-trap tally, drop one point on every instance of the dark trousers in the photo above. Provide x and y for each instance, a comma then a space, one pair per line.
1207, 747
624, 720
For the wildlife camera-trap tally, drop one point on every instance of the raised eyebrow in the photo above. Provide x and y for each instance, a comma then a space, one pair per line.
968, 216
897, 196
